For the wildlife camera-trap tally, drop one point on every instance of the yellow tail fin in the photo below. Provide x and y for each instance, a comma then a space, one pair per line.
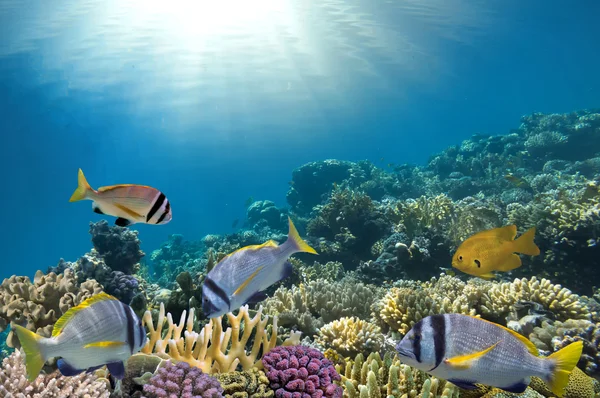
295, 239
34, 359
564, 362
82, 188
524, 244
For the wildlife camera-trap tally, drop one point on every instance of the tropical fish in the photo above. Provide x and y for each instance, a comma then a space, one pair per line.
517, 181
466, 350
128, 202
99, 331
242, 276
494, 250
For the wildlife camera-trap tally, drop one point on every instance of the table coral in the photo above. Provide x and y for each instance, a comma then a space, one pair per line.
251, 383
37, 305
350, 336
213, 350
301, 372
14, 384
181, 381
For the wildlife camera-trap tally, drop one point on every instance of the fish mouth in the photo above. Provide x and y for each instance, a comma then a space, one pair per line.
403, 352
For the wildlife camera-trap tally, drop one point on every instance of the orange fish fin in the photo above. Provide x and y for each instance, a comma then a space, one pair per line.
245, 284
512, 262
530, 346
505, 233
83, 188
487, 276
127, 210
111, 187
465, 361
525, 244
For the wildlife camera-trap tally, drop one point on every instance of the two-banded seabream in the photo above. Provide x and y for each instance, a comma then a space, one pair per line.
242, 276
130, 203
466, 351
99, 331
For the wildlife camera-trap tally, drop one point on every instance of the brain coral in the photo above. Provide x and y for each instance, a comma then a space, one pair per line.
38, 305
301, 372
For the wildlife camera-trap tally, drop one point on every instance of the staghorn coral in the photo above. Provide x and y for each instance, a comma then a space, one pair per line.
301, 372
309, 306
251, 383
499, 300
213, 350
37, 305
402, 307
350, 336
377, 377
181, 381
14, 384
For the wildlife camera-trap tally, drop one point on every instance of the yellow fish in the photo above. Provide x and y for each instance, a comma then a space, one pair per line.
494, 250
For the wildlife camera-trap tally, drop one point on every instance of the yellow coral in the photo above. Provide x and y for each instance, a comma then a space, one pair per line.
213, 350
350, 336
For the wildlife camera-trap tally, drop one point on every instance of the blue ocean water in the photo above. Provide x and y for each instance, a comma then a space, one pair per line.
213, 104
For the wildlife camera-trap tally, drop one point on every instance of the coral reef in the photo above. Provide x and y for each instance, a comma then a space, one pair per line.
119, 247
213, 350
303, 372
179, 380
37, 305
350, 336
264, 214
13, 383
251, 383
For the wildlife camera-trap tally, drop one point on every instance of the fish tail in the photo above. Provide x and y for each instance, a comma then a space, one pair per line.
34, 358
296, 242
83, 188
524, 244
564, 361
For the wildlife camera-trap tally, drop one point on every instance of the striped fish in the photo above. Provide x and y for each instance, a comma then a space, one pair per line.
99, 331
466, 351
128, 202
242, 276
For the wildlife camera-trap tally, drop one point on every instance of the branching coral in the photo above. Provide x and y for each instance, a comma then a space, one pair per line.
14, 384
38, 305
350, 336
251, 383
500, 298
376, 377
213, 350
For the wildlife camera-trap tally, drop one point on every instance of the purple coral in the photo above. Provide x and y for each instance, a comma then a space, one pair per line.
122, 286
182, 381
301, 372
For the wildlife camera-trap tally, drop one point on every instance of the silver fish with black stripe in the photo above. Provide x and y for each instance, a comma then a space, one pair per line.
130, 203
99, 331
466, 351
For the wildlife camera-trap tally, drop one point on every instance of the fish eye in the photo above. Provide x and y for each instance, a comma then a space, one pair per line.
460, 258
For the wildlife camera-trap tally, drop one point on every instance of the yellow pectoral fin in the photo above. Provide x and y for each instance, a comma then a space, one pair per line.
129, 211
105, 344
247, 281
487, 276
465, 361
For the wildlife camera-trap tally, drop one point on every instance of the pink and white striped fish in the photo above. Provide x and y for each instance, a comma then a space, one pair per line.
128, 202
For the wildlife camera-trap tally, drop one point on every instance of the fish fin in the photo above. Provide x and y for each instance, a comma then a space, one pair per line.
128, 211
512, 262
296, 241
525, 244
528, 344
93, 368
96, 209
257, 298
83, 188
104, 344
564, 361
487, 276
123, 222
116, 369
245, 284
465, 361
111, 187
66, 369
517, 388
63, 320
465, 385
34, 358
507, 232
